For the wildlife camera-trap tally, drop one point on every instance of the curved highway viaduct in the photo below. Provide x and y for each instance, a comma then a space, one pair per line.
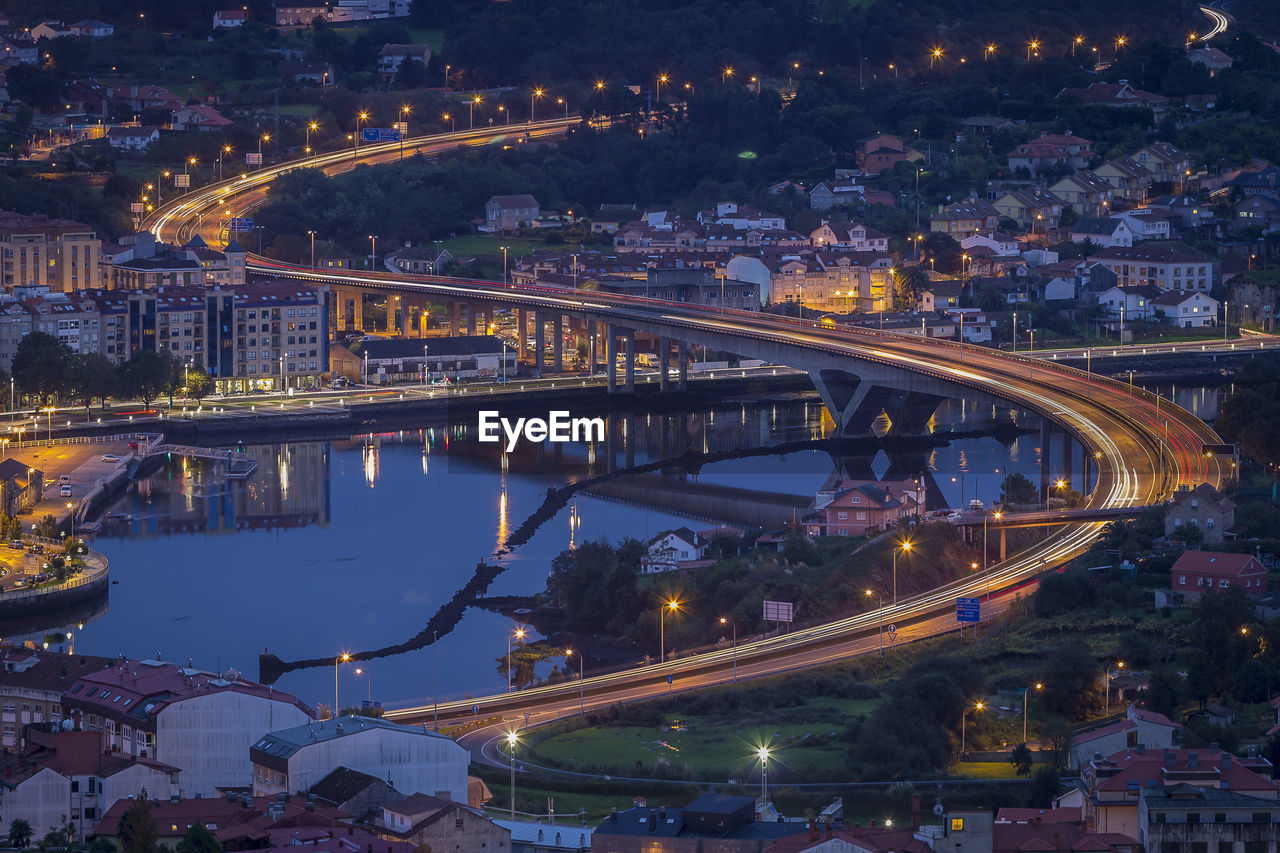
1143, 448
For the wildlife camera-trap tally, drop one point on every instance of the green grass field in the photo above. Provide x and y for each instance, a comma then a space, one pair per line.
490, 247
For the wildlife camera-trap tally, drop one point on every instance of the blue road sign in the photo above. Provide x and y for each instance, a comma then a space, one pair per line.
968, 609
379, 134
241, 224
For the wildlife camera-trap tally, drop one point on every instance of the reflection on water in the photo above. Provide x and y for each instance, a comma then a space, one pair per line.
353, 544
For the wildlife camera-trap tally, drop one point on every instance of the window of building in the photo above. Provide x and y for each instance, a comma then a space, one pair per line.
957, 824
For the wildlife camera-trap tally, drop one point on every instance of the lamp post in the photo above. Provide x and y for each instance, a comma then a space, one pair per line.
502, 109
504, 263
449, 118
373, 251
360, 117
879, 618
763, 752
673, 606
582, 702
310, 127
266, 137
313, 249
984, 546
1025, 691
471, 112
1226, 318
1076, 42
341, 659
976, 707
226, 149
71, 512
519, 635
369, 676
536, 93
404, 127
906, 548
1107, 702
512, 740
724, 621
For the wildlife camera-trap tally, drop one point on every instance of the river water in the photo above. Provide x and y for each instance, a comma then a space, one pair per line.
353, 544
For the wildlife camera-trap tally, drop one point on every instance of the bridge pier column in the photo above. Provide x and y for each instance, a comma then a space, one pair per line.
1045, 477
1067, 474
455, 317
631, 362
486, 315
471, 319
358, 310
539, 342
557, 343
404, 317
611, 357
593, 331
338, 300
1002, 544
682, 355
664, 358
522, 331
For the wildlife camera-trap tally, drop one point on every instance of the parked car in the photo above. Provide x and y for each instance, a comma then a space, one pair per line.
65, 490
110, 457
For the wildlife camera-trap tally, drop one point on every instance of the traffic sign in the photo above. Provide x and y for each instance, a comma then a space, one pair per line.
241, 224
253, 158
475, 709
379, 134
968, 609
892, 631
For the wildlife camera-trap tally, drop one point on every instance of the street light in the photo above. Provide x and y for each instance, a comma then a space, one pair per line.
673, 606
341, 659
471, 112
763, 753
724, 621
373, 250
726, 73
1033, 46
905, 548
71, 511
449, 118
976, 707
582, 703
935, 55
512, 740
360, 116
1107, 702
879, 619
313, 249
536, 93
988, 50
504, 263
310, 127
369, 676
1078, 41
519, 635
404, 128
266, 137
1026, 690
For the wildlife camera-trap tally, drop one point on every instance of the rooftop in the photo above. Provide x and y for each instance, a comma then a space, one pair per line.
286, 742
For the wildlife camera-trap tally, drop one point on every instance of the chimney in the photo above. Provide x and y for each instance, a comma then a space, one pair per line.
653, 821
1193, 760
857, 830
830, 830
1213, 747
1226, 761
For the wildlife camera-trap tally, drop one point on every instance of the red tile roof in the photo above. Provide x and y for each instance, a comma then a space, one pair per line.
1216, 564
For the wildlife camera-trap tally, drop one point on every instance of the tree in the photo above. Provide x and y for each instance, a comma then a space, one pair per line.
101, 845
909, 283
19, 833
137, 831
40, 365
1017, 490
1189, 533
197, 839
1022, 759
1071, 681
199, 383
91, 376
145, 376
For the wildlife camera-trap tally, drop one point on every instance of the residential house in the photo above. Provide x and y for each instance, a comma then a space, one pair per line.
1186, 309
299, 14
409, 758
202, 723
849, 236
1088, 194
1260, 182
882, 152
984, 125
939, 296
358, 794
611, 216
1109, 789
1165, 162
1196, 572
132, 138
965, 219
1166, 265
998, 243
828, 194
1147, 223
1210, 57
504, 214
1183, 211
141, 98
696, 285
228, 18
537, 837
199, 117
1105, 232
669, 550
1115, 95
443, 358
50, 30
1138, 727
1129, 302
1050, 152
854, 507
1256, 210
740, 217
419, 259
20, 490
1253, 296
840, 281
392, 56
1034, 209
17, 47
723, 822
660, 233
1185, 816
92, 29
1129, 180
433, 823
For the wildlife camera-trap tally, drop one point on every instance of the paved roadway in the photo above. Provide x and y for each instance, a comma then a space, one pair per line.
1144, 448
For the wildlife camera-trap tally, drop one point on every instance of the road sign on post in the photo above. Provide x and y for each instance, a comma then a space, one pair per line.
968, 609
379, 134
779, 611
240, 224
181, 180
253, 158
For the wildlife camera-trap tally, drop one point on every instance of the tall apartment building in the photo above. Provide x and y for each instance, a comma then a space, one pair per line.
145, 263
57, 253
